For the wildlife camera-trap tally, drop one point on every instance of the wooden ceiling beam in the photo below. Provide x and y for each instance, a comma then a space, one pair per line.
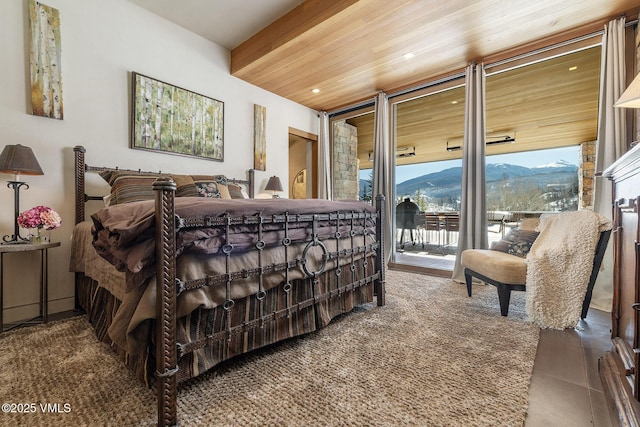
288, 28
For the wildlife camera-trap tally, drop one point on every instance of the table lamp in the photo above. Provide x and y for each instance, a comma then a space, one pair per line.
18, 160
274, 185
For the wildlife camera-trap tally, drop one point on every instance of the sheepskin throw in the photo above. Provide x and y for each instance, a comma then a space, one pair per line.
559, 266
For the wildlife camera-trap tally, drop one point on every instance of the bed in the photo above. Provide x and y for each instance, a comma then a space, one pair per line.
177, 283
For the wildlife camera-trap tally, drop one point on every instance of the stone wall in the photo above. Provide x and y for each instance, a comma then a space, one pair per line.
345, 162
586, 172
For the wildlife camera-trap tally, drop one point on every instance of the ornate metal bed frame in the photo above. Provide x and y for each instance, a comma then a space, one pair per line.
167, 225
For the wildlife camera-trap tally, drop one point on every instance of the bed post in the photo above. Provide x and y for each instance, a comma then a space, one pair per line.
79, 182
379, 286
166, 350
79, 208
252, 179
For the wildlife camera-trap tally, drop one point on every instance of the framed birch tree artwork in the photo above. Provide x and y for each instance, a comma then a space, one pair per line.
45, 61
174, 120
259, 137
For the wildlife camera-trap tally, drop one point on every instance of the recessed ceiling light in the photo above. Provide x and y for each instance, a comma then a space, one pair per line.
408, 55
575, 67
454, 102
316, 90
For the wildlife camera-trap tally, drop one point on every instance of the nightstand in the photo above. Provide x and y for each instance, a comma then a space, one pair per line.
44, 278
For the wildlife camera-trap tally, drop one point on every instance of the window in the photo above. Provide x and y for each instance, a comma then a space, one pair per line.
534, 181
541, 117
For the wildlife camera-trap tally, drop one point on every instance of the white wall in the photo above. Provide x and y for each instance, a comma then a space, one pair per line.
102, 42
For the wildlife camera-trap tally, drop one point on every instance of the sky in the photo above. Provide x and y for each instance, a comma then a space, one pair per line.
527, 159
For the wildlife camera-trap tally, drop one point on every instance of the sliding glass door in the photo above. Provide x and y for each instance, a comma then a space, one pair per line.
540, 132
540, 136
427, 131
548, 112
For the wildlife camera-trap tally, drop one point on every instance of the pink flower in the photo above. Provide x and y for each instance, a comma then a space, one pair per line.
40, 217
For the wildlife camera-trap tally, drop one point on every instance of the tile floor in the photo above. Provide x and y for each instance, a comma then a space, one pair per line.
565, 387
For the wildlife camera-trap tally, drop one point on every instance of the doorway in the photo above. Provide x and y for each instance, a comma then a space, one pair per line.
303, 161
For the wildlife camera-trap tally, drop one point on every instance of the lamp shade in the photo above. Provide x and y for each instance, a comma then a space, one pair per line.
18, 159
274, 184
630, 98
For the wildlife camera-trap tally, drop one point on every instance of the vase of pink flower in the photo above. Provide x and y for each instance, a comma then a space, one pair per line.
41, 218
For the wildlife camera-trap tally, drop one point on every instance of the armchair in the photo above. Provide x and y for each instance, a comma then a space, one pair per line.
558, 233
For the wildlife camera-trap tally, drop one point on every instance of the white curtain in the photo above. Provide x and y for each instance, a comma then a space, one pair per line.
324, 156
473, 212
610, 144
382, 158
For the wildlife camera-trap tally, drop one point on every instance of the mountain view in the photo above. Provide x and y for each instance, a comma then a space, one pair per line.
509, 187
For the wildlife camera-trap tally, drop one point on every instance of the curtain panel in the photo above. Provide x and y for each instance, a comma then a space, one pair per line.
324, 157
383, 180
473, 212
610, 144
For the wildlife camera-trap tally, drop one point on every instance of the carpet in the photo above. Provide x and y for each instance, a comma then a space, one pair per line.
431, 357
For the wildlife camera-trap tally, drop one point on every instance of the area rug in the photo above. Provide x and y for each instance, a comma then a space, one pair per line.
431, 357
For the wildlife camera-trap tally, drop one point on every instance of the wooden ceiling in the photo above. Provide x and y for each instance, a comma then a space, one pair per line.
546, 104
351, 49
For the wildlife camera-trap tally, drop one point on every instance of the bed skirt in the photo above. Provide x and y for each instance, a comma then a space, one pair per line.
207, 337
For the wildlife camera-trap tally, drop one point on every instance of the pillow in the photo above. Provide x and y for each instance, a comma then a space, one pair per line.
107, 175
517, 242
236, 191
112, 175
220, 179
132, 188
529, 223
127, 187
224, 191
185, 186
214, 186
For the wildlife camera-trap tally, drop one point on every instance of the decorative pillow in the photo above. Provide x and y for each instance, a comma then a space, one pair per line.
208, 189
517, 242
185, 186
214, 186
529, 223
236, 191
127, 189
220, 179
128, 186
224, 191
108, 176
112, 175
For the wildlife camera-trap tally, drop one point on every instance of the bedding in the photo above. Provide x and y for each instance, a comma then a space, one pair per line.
84, 259
236, 274
124, 235
133, 186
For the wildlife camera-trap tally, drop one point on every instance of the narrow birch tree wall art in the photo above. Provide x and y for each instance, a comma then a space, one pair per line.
175, 120
45, 60
259, 137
